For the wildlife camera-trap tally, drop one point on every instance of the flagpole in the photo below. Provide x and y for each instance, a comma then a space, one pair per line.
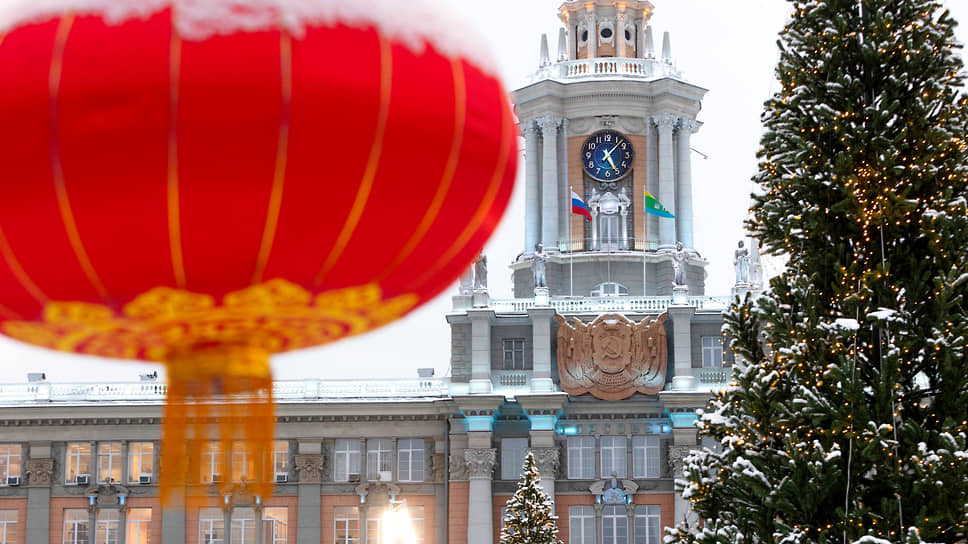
571, 254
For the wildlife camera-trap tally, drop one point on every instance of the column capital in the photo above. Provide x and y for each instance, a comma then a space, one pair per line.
677, 456
688, 126
480, 462
547, 460
529, 128
665, 121
548, 123
39, 472
310, 468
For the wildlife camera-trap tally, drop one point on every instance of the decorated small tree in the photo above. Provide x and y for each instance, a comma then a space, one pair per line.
528, 518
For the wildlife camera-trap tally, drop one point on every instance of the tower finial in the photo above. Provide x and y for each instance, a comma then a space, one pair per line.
649, 52
666, 48
562, 46
544, 59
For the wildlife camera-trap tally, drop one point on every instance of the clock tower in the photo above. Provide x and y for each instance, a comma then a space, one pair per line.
607, 126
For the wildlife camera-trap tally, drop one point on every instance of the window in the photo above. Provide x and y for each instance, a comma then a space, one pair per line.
107, 526
581, 525
581, 457
9, 462
514, 354
615, 525
346, 525
275, 525
712, 351
109, 462
243, 464
416, 514
513, 451
374, 528
213, 463
243, 526
211, 526
77, 463
410, 460
378, 459
648, 528
610, 289
141, 460
645, 457
346, 460
280, 457
8, 526
75, 526
139, 526
613, 456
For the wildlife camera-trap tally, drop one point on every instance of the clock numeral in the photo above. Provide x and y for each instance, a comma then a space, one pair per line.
591, 164
624, 165
598, 140
608, 173
625, 145
598, 170
588, 154
608, 137
591, 146
628, 155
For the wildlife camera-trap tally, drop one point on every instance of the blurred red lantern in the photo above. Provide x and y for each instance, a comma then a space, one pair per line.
207, 187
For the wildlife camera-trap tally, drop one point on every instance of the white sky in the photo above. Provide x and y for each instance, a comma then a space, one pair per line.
726, 47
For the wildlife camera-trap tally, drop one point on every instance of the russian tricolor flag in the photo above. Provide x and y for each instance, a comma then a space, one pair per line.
578, 206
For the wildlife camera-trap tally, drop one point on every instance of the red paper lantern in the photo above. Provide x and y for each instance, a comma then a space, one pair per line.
207, 190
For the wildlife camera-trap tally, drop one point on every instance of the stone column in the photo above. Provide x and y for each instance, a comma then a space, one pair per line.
619, 36
598, 522
667, 181
683, 510
572, 39
592, 21
564, 191
480, 350
630, 512
532, 202
541, 349
547, 460
39, 471
549, 182
309, 469
480, 520
651, 181
682, 347
640, 38
684, 203
594, 244
623, 229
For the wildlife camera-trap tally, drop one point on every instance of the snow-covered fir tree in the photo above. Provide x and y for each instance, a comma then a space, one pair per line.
848, 418
528, 518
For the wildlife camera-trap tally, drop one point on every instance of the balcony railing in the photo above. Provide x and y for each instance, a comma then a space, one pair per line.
608, 67
612, 304
152, 392
575, 245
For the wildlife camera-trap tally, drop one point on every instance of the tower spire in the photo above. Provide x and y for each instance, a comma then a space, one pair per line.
649, 44
562, 46
666, 48
544, 58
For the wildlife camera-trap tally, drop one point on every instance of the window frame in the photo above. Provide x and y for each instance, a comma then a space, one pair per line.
648, 513
269, 525
347, 457
511, 466
379, 454
280, 455
140, 526
648, 449
414, 450
239, 523
618, 516
113, 460
578, 448
11, 463
136, 460
8, 535
74, 460
712, 352
110, 526
585, 516
513, 352
243, 465
83, 520
214, 524
340, 515
617, 457
213, 457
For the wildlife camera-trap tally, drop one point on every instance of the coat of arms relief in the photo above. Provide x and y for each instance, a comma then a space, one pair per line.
612, 357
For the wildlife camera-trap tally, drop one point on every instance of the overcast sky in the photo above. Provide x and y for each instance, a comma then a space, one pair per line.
726, 47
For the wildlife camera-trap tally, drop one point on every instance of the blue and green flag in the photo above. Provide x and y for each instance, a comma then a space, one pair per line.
653, 206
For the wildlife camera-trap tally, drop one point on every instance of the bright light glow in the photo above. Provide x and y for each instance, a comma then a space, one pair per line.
397, 528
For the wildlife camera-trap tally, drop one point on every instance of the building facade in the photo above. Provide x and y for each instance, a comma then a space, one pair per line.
597, 365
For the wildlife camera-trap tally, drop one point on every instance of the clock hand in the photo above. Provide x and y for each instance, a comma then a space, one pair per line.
608, 155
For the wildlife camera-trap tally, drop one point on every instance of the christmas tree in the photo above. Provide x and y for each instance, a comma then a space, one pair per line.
528, 518
848, 416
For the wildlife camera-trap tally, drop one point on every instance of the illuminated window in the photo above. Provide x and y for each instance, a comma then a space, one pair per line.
648, 526
109, 462
243, 526
417, 520
141, 460
613, 456
243, 464
275, 525
513, 451
8, 526
410, 460
346, 522
280, 457
712, 351
346, 460
581, 525
615, 525
107, 526
213, 463
77, 462
581, 457
379, 460
76, 524
9, 462
138, 529
645, 456
211, 526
